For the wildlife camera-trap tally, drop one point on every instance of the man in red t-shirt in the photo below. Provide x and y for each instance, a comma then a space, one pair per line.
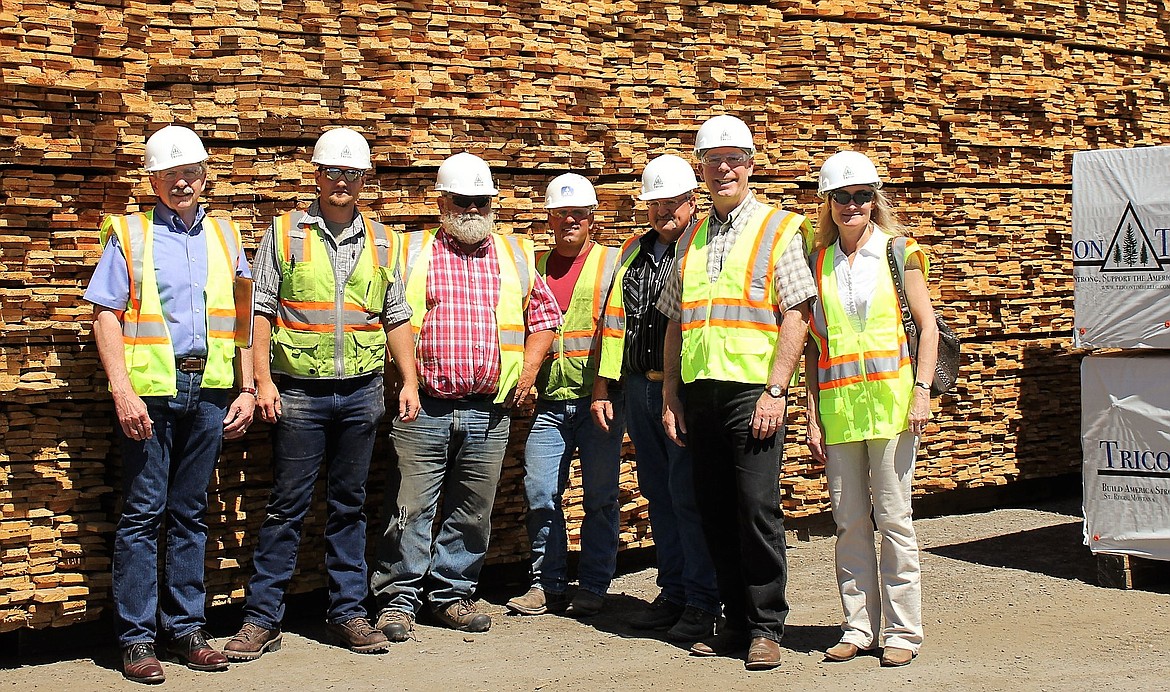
579, 273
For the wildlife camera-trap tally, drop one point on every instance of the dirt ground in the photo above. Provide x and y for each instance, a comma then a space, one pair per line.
1009, 601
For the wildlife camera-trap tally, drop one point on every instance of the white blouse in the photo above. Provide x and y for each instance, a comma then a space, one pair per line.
856, 283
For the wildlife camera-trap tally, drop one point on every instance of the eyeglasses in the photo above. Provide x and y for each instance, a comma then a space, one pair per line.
466, 202
350, 174
670, 202
845, 197
733, 160
575, 212
187, 173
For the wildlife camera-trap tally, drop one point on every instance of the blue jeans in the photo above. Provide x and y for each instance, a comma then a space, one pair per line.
666, 479
454, 449
335, 421
559, 429
166, 475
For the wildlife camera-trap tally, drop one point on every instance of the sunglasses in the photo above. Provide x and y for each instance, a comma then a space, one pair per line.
575, 212
845, 197
466, 202
351, 174
733, 160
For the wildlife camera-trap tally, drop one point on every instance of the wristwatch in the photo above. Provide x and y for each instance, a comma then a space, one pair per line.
776, 391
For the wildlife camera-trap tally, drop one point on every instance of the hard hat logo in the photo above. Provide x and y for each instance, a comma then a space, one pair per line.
725, 136
176, 153
479, 181
847, 173
657, 185
346, 153
566, 190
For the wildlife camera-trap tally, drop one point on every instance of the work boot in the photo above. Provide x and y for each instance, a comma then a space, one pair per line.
251, 642
397, 625
194, 651
585, 603
462, 615
531, 603
139, 664
358, 635
693, 625
659, 615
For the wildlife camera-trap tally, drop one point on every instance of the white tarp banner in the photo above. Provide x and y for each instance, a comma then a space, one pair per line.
1121, 248
1125, 437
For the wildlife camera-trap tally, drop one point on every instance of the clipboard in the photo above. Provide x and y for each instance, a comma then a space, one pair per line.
242, 292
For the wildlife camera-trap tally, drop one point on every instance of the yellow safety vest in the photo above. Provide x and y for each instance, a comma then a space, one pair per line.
150, 355
570, 365
321, 332
730, 327
865, 378
517, 275
613, 325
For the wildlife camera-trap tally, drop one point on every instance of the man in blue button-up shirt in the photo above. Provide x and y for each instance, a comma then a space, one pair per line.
171, 435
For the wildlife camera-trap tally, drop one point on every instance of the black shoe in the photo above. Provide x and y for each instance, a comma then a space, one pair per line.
659, 615
693, 626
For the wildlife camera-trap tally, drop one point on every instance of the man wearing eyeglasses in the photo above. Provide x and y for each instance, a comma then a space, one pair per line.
164, 321
483, 319
739, 311
632, 357
328, 307
579, 273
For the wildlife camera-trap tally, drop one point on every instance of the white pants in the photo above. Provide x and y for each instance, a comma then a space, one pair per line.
875, 476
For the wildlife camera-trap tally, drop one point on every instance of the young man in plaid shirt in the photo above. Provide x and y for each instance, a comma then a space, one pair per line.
483, 320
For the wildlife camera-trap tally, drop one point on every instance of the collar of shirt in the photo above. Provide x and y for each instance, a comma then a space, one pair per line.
736, 219
313, 217
171, 220
455, 246
875, 246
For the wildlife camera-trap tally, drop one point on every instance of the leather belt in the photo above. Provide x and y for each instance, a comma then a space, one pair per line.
190, 364
654, 375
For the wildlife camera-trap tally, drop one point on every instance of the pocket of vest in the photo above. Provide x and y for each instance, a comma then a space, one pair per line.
369, 350
748, 345
300, 353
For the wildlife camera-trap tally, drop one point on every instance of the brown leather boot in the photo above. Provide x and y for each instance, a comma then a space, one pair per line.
357, 634
194, 651
139, 664
251, 642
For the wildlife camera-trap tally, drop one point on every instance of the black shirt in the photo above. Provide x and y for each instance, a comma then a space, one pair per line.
645, 325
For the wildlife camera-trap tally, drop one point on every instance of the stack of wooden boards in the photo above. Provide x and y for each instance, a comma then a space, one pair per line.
973, 118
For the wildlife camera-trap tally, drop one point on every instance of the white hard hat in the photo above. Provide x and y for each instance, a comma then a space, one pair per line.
569, 190
174, 145
465, 174
342, 147
847, 168
667, 176
724, 131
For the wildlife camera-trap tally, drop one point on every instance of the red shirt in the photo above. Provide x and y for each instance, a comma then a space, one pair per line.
458, 347
561, 274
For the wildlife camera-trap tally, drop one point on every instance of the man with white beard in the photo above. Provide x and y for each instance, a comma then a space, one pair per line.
482, 319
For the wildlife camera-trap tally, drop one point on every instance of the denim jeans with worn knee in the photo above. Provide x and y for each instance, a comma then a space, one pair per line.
335, 421
666, 479
454, 449
166, 476
559, 429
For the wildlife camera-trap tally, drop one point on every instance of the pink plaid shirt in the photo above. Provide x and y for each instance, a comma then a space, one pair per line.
458, 347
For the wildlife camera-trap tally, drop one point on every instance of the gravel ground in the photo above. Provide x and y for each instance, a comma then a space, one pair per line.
1009, 601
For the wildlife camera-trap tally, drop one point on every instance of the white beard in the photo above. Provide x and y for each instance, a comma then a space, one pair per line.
469, 229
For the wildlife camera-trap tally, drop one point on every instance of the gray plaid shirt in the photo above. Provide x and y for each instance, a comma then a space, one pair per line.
793, 279
343, 250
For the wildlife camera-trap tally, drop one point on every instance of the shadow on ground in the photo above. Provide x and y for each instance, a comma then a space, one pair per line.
1057, 551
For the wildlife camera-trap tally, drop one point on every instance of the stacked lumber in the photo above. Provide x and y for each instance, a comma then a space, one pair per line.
971, 107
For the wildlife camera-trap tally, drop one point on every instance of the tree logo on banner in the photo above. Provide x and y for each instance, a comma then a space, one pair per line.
1131, 249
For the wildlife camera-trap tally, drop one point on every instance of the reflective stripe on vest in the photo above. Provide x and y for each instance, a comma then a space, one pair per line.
321, 332
150, 356
567, 371
517, 273
730, 327
865, 386
613, 324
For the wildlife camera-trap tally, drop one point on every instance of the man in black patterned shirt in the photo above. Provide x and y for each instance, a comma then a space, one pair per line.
632, 339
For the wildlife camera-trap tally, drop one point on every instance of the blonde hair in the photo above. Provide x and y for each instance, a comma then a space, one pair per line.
883, 216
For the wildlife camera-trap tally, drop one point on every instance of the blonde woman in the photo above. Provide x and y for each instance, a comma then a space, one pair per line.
867, 408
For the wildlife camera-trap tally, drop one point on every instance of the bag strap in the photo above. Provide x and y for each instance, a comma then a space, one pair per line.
897, 261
